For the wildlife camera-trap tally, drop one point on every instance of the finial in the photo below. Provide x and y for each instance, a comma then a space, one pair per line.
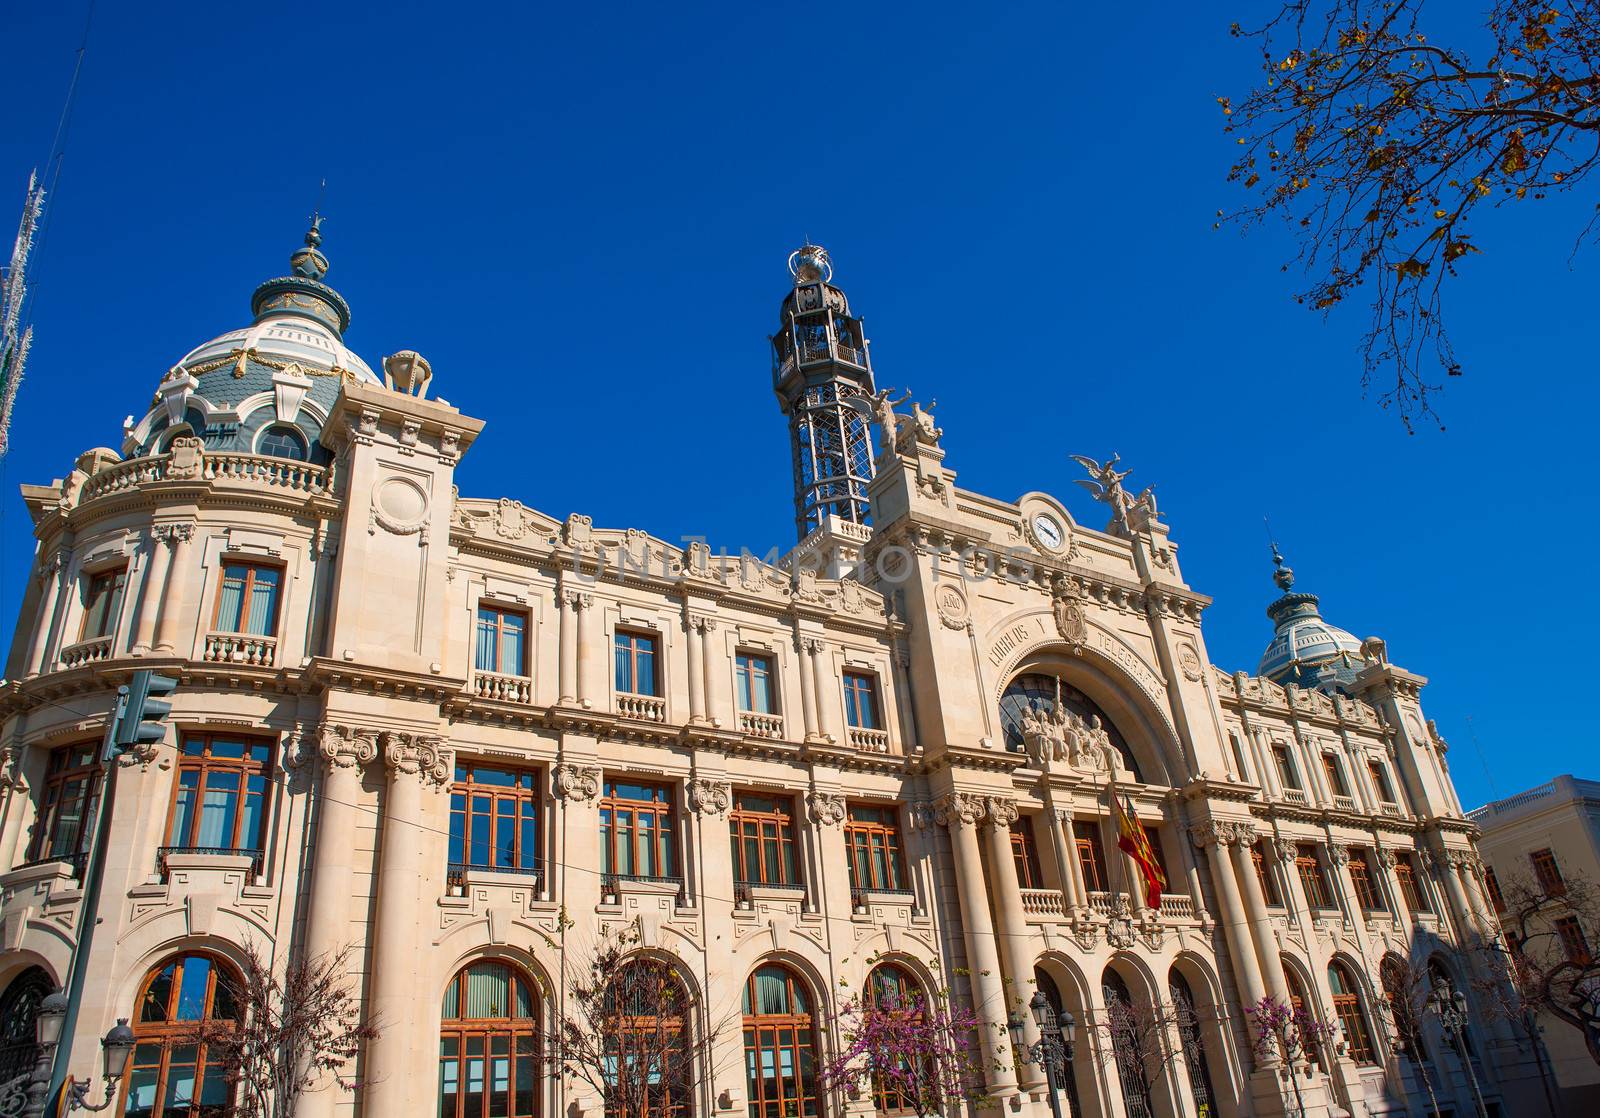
1283, 576
309, 261
809, 263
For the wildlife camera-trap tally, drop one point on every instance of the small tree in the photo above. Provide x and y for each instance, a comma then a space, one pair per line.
291, 1030
627, 1029
1406, 987
912, 1048
1292, 1033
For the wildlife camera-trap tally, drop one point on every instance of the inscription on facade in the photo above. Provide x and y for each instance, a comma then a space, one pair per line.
1014, 638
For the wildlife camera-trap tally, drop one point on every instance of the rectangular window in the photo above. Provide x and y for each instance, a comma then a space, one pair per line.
861, 700
636, 663
1380, 781
1367, 894
872, 838
1572, 940
1491, 885
1286, 773
1547, 872
1025, 853
502, 645
1311, 877
247, 600
1405, 872
761, 831
494, 819
637, 829
1269, 884
221, 802
1335, 773
1238, 757
67, 804
102, 602
1091, 856
755, 682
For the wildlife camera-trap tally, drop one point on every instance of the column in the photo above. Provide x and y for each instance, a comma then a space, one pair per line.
1299, 907
1077, 894
1013, 927
177, 585
51, 575
1460, 907
341, 751
1256, 909
695, 628
1235, 926
1391, 886
821, 692
806, 647
961, 812
150, 587
567, 600
1191, 872
583, 607
708, 672
414, 761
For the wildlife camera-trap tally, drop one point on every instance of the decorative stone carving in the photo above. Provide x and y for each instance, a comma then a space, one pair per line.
575, 782
1286, 849
407, 372
826, 808
922, 815
1062, 737
1002, 812
578, 533
1374, 651
345, 747
173, 534
186, 459
399, 505
1189, 662
11, 778
140, 753
422, 755
1387, 858
708, 797
509, 521
883, 405
1105, 482
1066, 604
851, 598
952, 606
955, 809
1338, 853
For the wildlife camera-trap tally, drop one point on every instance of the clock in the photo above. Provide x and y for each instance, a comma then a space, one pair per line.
1047, 532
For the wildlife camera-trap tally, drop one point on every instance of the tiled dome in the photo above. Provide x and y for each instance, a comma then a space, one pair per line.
1305, 649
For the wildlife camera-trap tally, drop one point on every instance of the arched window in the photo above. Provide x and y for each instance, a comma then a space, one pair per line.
1194, 1049
171, 1075
1352, 1019
1038, 693
19, 1012
1052, 994
779, 1045
1299, 1002
1129, 1042
282, 441
646, 1030
488, 1044
891, 988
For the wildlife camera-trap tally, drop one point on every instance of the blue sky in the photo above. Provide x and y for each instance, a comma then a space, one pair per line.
580, 214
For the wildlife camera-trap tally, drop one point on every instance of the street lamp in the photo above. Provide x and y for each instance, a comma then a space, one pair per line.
1450, 1006
1054, 1050
24, 1096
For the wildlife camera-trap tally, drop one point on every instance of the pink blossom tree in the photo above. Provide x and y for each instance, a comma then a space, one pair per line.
1293, 1033
911, 1051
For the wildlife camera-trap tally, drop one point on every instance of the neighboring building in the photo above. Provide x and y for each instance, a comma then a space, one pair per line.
1542, 839
432, 727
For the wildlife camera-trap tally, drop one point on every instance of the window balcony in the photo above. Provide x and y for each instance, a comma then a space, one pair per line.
861, 897
642, 708
1100, 902
459, 873
869, 741
759, 725
90, 651
745, 893
502, 688
613, 885
222, 469
1177, 907
1295, 795
1044, 902
1345, 803
241, 648
1391, 810
167, 852
76, 862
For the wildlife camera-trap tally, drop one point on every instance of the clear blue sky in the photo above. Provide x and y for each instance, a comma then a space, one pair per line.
580, 214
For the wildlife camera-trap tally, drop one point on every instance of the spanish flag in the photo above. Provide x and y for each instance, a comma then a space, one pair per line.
1132, 839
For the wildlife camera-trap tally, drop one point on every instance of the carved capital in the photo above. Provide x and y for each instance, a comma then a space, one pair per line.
1286, 849
1338, 853
826, 808
173, 534
576, 599
421, 755
708, 797
922, 815
808, 644
1002, 811
345, 747
1213, 832
575, 782
1387, 858
958, 809
11, 778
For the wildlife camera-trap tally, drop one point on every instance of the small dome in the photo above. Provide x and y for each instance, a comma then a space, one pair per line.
1306, 650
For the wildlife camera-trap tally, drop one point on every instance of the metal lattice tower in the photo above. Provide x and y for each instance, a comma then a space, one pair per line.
823, 377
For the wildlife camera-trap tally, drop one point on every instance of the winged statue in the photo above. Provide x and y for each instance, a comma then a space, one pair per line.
1105, 482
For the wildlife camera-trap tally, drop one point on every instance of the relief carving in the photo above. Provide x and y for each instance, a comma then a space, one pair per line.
826, 808
575, 782
956, 809
708, 797
422, 755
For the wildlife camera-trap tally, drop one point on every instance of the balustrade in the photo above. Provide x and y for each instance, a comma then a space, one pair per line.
643, 708
241, 648
1043, 902
869, 741
1345, 803
1295, 795
760, 725
502, 688
253, 469
1177, 906
90, 651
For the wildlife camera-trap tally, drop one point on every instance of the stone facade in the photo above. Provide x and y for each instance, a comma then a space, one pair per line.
981, 676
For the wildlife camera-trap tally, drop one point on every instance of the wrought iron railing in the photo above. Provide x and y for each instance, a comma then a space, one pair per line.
861, 894
77, 861
229, 851
456, 874
611, 883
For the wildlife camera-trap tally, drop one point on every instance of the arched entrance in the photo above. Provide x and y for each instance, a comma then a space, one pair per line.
1038, 694
1130, 1044
780, 1052
1201, 1091
19, 1012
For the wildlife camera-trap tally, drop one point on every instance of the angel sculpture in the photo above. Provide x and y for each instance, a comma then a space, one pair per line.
888, 419
922, 420
1105, 482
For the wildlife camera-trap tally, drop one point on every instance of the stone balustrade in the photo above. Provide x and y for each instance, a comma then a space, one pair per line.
1100, 902
1296, 796
241, 648
1177, 906
1044, 902
1345, 803
1391, 810
869, 741
91, 651
502, 688
643, 708
760, 725
255, 470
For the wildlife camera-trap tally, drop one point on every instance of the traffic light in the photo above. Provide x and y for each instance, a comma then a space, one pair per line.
144, 710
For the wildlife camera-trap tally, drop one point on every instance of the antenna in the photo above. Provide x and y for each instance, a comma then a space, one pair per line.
1488, 774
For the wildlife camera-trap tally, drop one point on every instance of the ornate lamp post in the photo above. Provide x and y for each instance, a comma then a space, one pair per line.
1054, 1050
1450, 1006
24, 1096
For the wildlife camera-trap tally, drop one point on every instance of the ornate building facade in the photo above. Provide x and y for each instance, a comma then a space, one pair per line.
459, 738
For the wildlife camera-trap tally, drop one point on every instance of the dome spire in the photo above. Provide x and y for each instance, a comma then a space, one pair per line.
302, 293
309, 261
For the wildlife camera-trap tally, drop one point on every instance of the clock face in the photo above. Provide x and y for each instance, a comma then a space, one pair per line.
1047, 530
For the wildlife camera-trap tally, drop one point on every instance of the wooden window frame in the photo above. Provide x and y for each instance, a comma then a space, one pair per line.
1309, 868
745, 824
48, 820
1269, 885
204, 763
1334, 771
1288, 776
1547, 872
522, 800
1405, 872
170, 1034
1491, 886
1569, 930
1381, 783
633, 636
251, 566
1091, 855
117, 578
781, 1032
500, 612
1025, 853
1368, 896
860, 836
662, 810
745, 665
857, 683
1352, 1018
488, 1029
